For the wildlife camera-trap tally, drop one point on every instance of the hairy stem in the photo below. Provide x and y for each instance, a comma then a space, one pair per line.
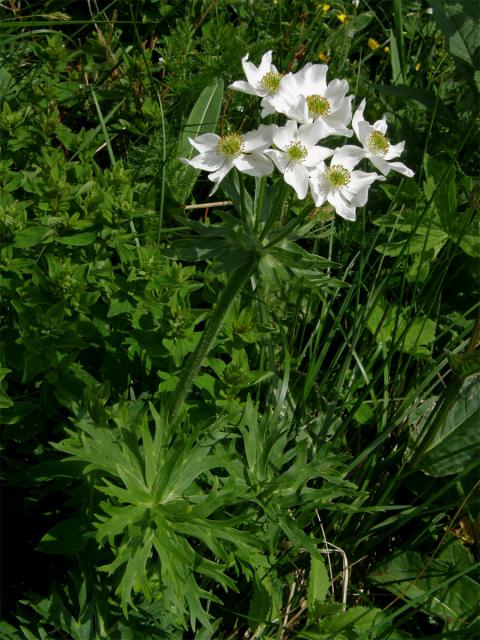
194, 362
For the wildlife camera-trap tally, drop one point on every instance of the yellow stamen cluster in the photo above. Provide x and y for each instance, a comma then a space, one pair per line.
377, 143
230, 146
318, 106
271, 81
297, 152
338, 176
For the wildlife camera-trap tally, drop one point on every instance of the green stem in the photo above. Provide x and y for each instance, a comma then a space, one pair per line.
243, 208
259, 202
164, 164
194, 362
276, 210
287, 230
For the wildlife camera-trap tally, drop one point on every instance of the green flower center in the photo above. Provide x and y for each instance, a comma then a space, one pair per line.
230, 146
377, 143
271, 81
318, 106
297, 152
338, 176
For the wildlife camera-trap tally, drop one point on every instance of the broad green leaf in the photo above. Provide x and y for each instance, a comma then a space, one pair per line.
457, 442
65, 538
459, 20
31, 236
434, 586
471, 245
427, 241
391, 327
79, 239
202, 119
318, 584
440, 187
422, 96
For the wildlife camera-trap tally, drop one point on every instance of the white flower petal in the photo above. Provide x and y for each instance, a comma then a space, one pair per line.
316, 155
265, 65
379, 163
364, 130
394, 150
259, 139
297, 177
315, 78
285, 135
321, 129
357, 191
399, 167
308, 134
219, 175
288, 87
279, 158
319, 186
343, 209
334, 127
267, 107
381, 125
348, 156
341, 111
336, 90
250, 71
244, 87
254, 164
205, 142
208, 161
357, 119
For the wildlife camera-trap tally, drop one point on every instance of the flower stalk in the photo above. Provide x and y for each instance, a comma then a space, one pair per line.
194, 362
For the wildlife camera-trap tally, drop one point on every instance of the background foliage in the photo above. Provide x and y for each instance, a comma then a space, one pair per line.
334, 423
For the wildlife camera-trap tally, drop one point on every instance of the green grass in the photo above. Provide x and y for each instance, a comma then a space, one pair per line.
248, 420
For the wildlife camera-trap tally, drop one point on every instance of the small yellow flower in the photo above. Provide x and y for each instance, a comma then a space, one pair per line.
325, 8
418, 66
342, 17
373, 44
323, 57
386, 49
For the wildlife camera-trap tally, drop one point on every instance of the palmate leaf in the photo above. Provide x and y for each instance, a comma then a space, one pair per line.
159, 496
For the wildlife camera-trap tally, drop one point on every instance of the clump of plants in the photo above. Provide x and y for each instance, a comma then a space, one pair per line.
239, 347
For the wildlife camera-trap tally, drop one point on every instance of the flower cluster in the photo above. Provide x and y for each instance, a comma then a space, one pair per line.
314, 109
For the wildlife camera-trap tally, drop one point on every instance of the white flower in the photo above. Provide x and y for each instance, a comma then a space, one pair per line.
307, 98
262, 81
297, 154
219, 155
377, 147
344, 188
